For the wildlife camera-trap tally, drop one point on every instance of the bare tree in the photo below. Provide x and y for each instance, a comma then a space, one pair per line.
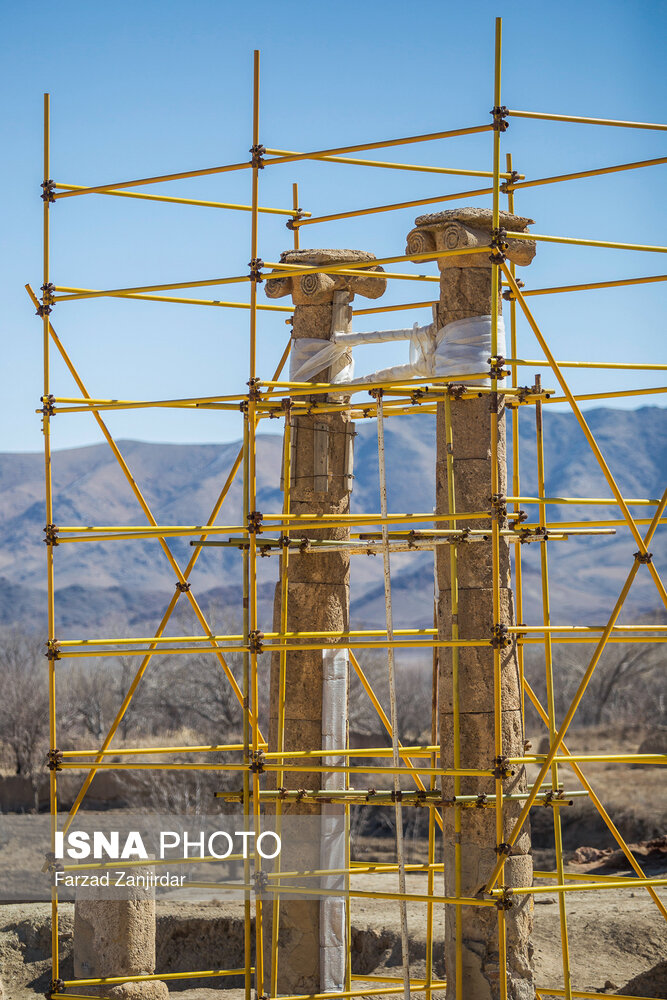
24, 706
628, 682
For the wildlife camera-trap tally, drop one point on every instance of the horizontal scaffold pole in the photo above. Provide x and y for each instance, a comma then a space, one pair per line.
578, 175
586, 121
89, 293
183, 201
384, 144
574, 241
389, 165
246, 165
590, 286
394, 207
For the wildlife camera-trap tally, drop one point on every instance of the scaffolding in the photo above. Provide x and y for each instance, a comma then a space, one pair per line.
383, 532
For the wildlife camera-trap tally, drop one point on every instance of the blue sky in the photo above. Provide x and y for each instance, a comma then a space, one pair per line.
151, 87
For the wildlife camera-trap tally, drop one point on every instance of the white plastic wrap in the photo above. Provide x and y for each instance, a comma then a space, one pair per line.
332, 846
309, 356
459, 348
464, 347
375, 336
422, 352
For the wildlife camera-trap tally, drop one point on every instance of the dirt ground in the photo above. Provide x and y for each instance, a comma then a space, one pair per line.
615, 940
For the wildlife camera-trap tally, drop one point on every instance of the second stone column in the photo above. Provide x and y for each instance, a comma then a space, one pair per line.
465, 295
311, 955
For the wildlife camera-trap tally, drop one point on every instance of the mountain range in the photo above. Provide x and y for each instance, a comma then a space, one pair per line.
102, 588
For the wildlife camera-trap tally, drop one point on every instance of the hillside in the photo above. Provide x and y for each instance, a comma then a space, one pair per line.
100, 587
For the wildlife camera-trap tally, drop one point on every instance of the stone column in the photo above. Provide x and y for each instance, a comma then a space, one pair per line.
115, 936
465, 291
318, 591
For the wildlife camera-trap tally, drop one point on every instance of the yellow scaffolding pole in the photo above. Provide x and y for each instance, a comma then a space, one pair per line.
418, 167
551, 702
44, 311
182, 201
558, 739
400, 398
588, 173
587, 432
585, 121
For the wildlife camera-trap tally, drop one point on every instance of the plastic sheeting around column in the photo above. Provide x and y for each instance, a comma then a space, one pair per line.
459, 348
309, 356
332, 846
465, 346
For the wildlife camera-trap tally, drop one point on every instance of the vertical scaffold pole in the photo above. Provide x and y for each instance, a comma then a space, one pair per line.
252, 504
551, 703
456, 705
431, 812
295, 205
282, 685
516, 478
396, 760
247, 944
495, 527
50, 581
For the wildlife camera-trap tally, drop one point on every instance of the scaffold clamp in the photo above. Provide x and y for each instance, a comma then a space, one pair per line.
256, 761
48, 188
644, 558
501, 768
256, 265
498, 507
504, 901
508, 185
257, 152
499, 245
255, 519
255, 643
57, 986
50, 863
503, 849
496, 369
48, 405
54, 759
51, 533
52, 649
500, 638
509, 295
456, 391
293, 222
182, 588
253, 383
500, 113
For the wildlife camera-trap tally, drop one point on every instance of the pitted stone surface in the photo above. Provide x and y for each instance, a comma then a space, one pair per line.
465, 292
318, 594
476, 218
317, 288
468, 229
324, 257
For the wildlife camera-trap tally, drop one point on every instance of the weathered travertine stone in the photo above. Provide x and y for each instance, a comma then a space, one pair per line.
463, 228
314, 289
465, 291
318, 590
116, 936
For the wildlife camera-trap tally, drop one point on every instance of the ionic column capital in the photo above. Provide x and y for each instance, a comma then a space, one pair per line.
317, 288
463, 228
